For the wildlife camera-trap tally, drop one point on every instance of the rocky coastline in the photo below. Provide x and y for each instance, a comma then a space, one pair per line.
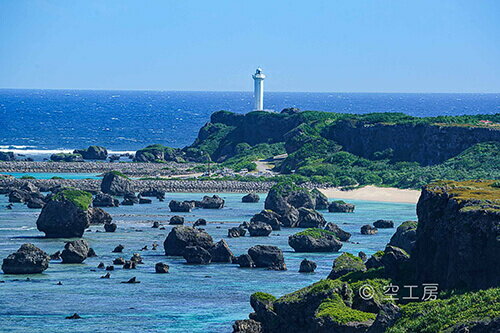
128, 168
173, 185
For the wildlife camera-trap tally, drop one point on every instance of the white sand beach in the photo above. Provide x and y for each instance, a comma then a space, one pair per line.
374, 193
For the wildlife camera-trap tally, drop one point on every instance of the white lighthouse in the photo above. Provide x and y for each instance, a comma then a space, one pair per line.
258, 92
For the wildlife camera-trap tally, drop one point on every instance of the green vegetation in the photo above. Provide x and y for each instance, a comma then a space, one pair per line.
236, 141
263, 297
316, 233
81, 199
442, 315
335, 309
343, 168
246, 155
57, 177
27, 177
348, 261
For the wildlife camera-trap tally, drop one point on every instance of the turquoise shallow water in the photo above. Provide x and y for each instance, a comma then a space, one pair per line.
188, 299
49, 175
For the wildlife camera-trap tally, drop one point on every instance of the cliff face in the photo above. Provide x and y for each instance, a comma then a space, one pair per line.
458, 235
424, 143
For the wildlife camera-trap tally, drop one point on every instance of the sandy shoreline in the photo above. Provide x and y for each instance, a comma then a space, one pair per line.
374, 193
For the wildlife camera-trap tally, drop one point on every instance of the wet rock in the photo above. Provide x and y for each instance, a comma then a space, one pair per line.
181, 237
28, 259
314, 240
307, 266
128, 202
161, 267
340, 206
290, 218
269, 217
250, 197
66, 215
92, 153
152, 192
56, 256
119, 261
106, 276
118, 249
362, 256
176, 220
7, 156
143, 201
75, 252
197, 255
129, 264
259, 229
220, 252
66, 157
180, 206
104, 200
136, 257
132, 280
346, 263
405, 236
35, 203
368, 230
199, 222
74, 316
309, 218
383, 224
283, 196
267, 256
236, 232
245, 261
341, 234
115, 183
91, 253
110, 227
110, 268
18, 196
101, 265
213, 202
99, 216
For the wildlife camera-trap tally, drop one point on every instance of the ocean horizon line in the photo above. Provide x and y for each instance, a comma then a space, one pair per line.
250, 92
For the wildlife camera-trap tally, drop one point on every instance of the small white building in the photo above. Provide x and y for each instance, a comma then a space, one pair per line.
258, 92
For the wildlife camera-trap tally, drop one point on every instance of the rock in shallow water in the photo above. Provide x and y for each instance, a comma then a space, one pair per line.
267, 256
250, 197
161, 268
381, 224
181, 237
29, 259
197, 255
368, 230
259, 229
340, 206
75, 252
307, 266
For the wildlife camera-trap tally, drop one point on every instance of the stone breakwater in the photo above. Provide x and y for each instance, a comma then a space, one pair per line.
93, 185
130, 169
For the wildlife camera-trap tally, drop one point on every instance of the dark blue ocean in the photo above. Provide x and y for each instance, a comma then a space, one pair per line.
128, 120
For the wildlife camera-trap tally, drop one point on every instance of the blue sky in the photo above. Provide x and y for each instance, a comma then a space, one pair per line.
334, 46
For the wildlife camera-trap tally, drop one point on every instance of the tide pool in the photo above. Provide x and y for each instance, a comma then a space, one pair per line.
190, 298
